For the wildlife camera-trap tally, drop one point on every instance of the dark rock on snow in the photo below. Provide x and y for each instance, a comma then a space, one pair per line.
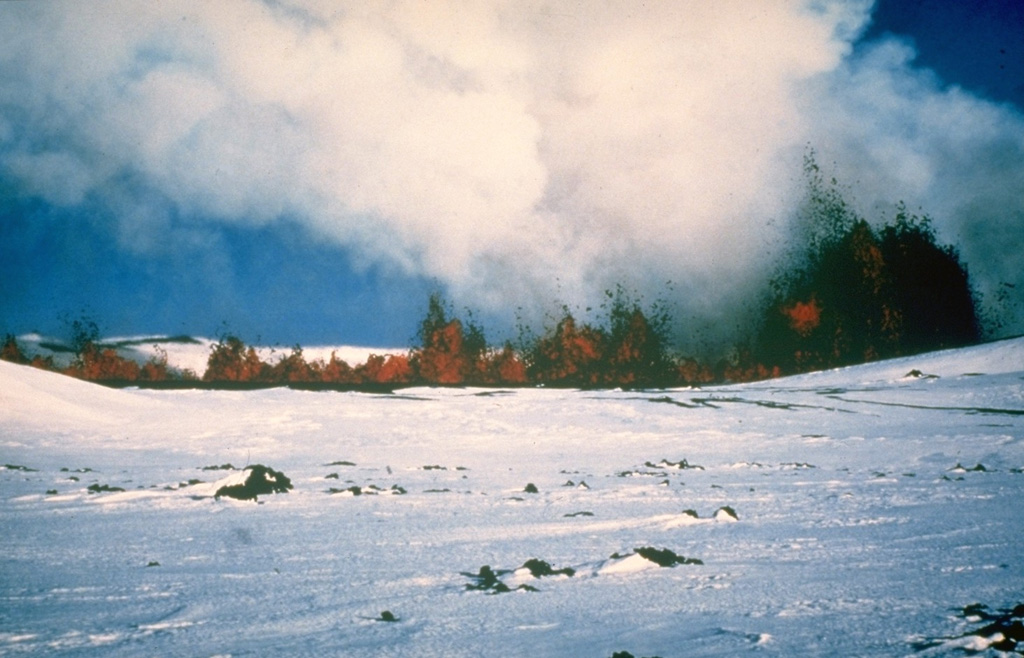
977, 468
1002, 629
102, 488
682, 464
725, 510
18, 467
487, 580
663, 557
540, 568
260, 480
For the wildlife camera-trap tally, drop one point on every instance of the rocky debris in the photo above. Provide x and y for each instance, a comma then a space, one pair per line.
977, 468
663, 557
636, 473
680, 465
182, 485
260, 480
222, 467
371, 490
102, 488
726, 513
354, 490
1002, 631
540, 568
488, 580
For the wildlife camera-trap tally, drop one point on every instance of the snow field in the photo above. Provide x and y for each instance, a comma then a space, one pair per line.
856, 532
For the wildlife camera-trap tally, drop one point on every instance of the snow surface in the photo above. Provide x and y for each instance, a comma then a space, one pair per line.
872, 506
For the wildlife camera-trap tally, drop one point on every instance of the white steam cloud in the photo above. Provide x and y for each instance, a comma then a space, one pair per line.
521, 152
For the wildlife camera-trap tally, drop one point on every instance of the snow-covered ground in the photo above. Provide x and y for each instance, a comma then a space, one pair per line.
862, 511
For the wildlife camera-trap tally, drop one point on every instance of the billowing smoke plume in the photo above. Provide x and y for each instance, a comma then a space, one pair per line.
523, 153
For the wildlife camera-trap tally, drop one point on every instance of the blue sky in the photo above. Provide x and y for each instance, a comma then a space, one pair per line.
292, 173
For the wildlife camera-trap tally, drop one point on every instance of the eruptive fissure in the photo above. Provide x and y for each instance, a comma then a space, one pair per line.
847, 292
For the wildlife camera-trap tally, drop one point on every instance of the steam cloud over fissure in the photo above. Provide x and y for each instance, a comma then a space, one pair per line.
857, 293
523, 155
